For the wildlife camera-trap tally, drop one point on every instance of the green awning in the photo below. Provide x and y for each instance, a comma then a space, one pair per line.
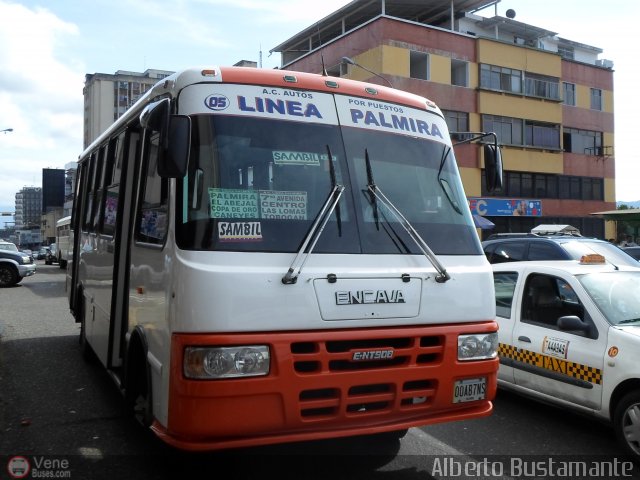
628, 214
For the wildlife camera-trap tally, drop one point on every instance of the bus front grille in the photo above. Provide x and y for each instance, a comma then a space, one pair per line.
364, 399
355, 360
366, 354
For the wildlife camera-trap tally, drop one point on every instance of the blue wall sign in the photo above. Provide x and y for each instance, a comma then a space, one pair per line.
505, 207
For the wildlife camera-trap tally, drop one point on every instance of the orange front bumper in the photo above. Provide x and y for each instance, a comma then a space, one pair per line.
315, 390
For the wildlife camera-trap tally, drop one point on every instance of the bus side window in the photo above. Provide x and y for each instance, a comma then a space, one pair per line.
151, 225
111, 183
89, 187
97, 189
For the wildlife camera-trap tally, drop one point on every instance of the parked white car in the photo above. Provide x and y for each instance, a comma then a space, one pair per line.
569, 334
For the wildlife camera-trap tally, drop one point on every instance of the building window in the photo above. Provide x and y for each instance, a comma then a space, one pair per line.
566, 52
526, 184
338, 70
596, 99
547, 185
584, 142
459, 73
542, 135
541, 86
456, 121
500, 78
569, 94
419, 65
507, 129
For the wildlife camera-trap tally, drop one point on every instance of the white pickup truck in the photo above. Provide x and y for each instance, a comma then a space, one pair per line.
569, 334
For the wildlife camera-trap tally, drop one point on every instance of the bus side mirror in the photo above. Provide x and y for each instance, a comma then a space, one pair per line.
173, 162
493, 167
174, 141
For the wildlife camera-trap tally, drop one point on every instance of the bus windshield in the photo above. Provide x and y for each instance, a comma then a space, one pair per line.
257, 184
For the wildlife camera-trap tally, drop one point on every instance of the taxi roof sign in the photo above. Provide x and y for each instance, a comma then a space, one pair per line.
592, 259
556, 230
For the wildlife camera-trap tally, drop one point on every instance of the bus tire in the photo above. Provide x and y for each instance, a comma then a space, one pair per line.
138, 384
392, 436
85, 348
626, 423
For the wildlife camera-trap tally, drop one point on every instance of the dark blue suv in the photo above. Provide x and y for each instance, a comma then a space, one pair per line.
500, 248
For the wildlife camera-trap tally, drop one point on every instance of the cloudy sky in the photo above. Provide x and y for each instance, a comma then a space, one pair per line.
47, 47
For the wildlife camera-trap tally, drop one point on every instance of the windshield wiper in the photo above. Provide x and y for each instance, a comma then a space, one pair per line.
332, 176
372, 193
629, 320
317, 228
376, 193
444, 184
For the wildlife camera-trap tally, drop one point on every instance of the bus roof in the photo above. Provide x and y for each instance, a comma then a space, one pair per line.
290, 79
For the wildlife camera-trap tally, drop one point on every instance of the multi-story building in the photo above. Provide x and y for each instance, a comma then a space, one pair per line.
107, 97
548, 99
28, 207
28, 217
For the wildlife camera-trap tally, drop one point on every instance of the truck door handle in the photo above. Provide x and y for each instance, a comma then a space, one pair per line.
524, 339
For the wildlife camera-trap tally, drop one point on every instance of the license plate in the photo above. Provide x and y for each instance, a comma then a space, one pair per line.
469, 390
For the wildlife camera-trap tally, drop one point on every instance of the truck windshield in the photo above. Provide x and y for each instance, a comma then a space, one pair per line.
256, 184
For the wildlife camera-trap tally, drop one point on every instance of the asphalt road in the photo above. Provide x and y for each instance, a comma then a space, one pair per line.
65, 417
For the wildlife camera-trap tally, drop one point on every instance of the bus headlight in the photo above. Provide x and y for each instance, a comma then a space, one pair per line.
479, 346
226, 362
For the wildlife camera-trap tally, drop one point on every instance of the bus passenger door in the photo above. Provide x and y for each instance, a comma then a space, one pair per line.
118, 218
148, 277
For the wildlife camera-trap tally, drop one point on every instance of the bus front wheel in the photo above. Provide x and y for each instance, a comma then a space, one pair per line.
85, 348
138, 386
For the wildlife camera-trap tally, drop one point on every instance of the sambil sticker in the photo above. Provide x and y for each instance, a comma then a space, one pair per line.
283, 205
230, 203
239, 231
555, 347
299, 158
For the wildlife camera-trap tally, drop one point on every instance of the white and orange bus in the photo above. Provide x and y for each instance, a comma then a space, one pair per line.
266, 256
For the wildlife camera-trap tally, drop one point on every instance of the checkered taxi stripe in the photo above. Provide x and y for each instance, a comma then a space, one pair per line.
571, 369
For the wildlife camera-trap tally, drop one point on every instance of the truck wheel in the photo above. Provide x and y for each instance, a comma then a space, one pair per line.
626, 423
8, 276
